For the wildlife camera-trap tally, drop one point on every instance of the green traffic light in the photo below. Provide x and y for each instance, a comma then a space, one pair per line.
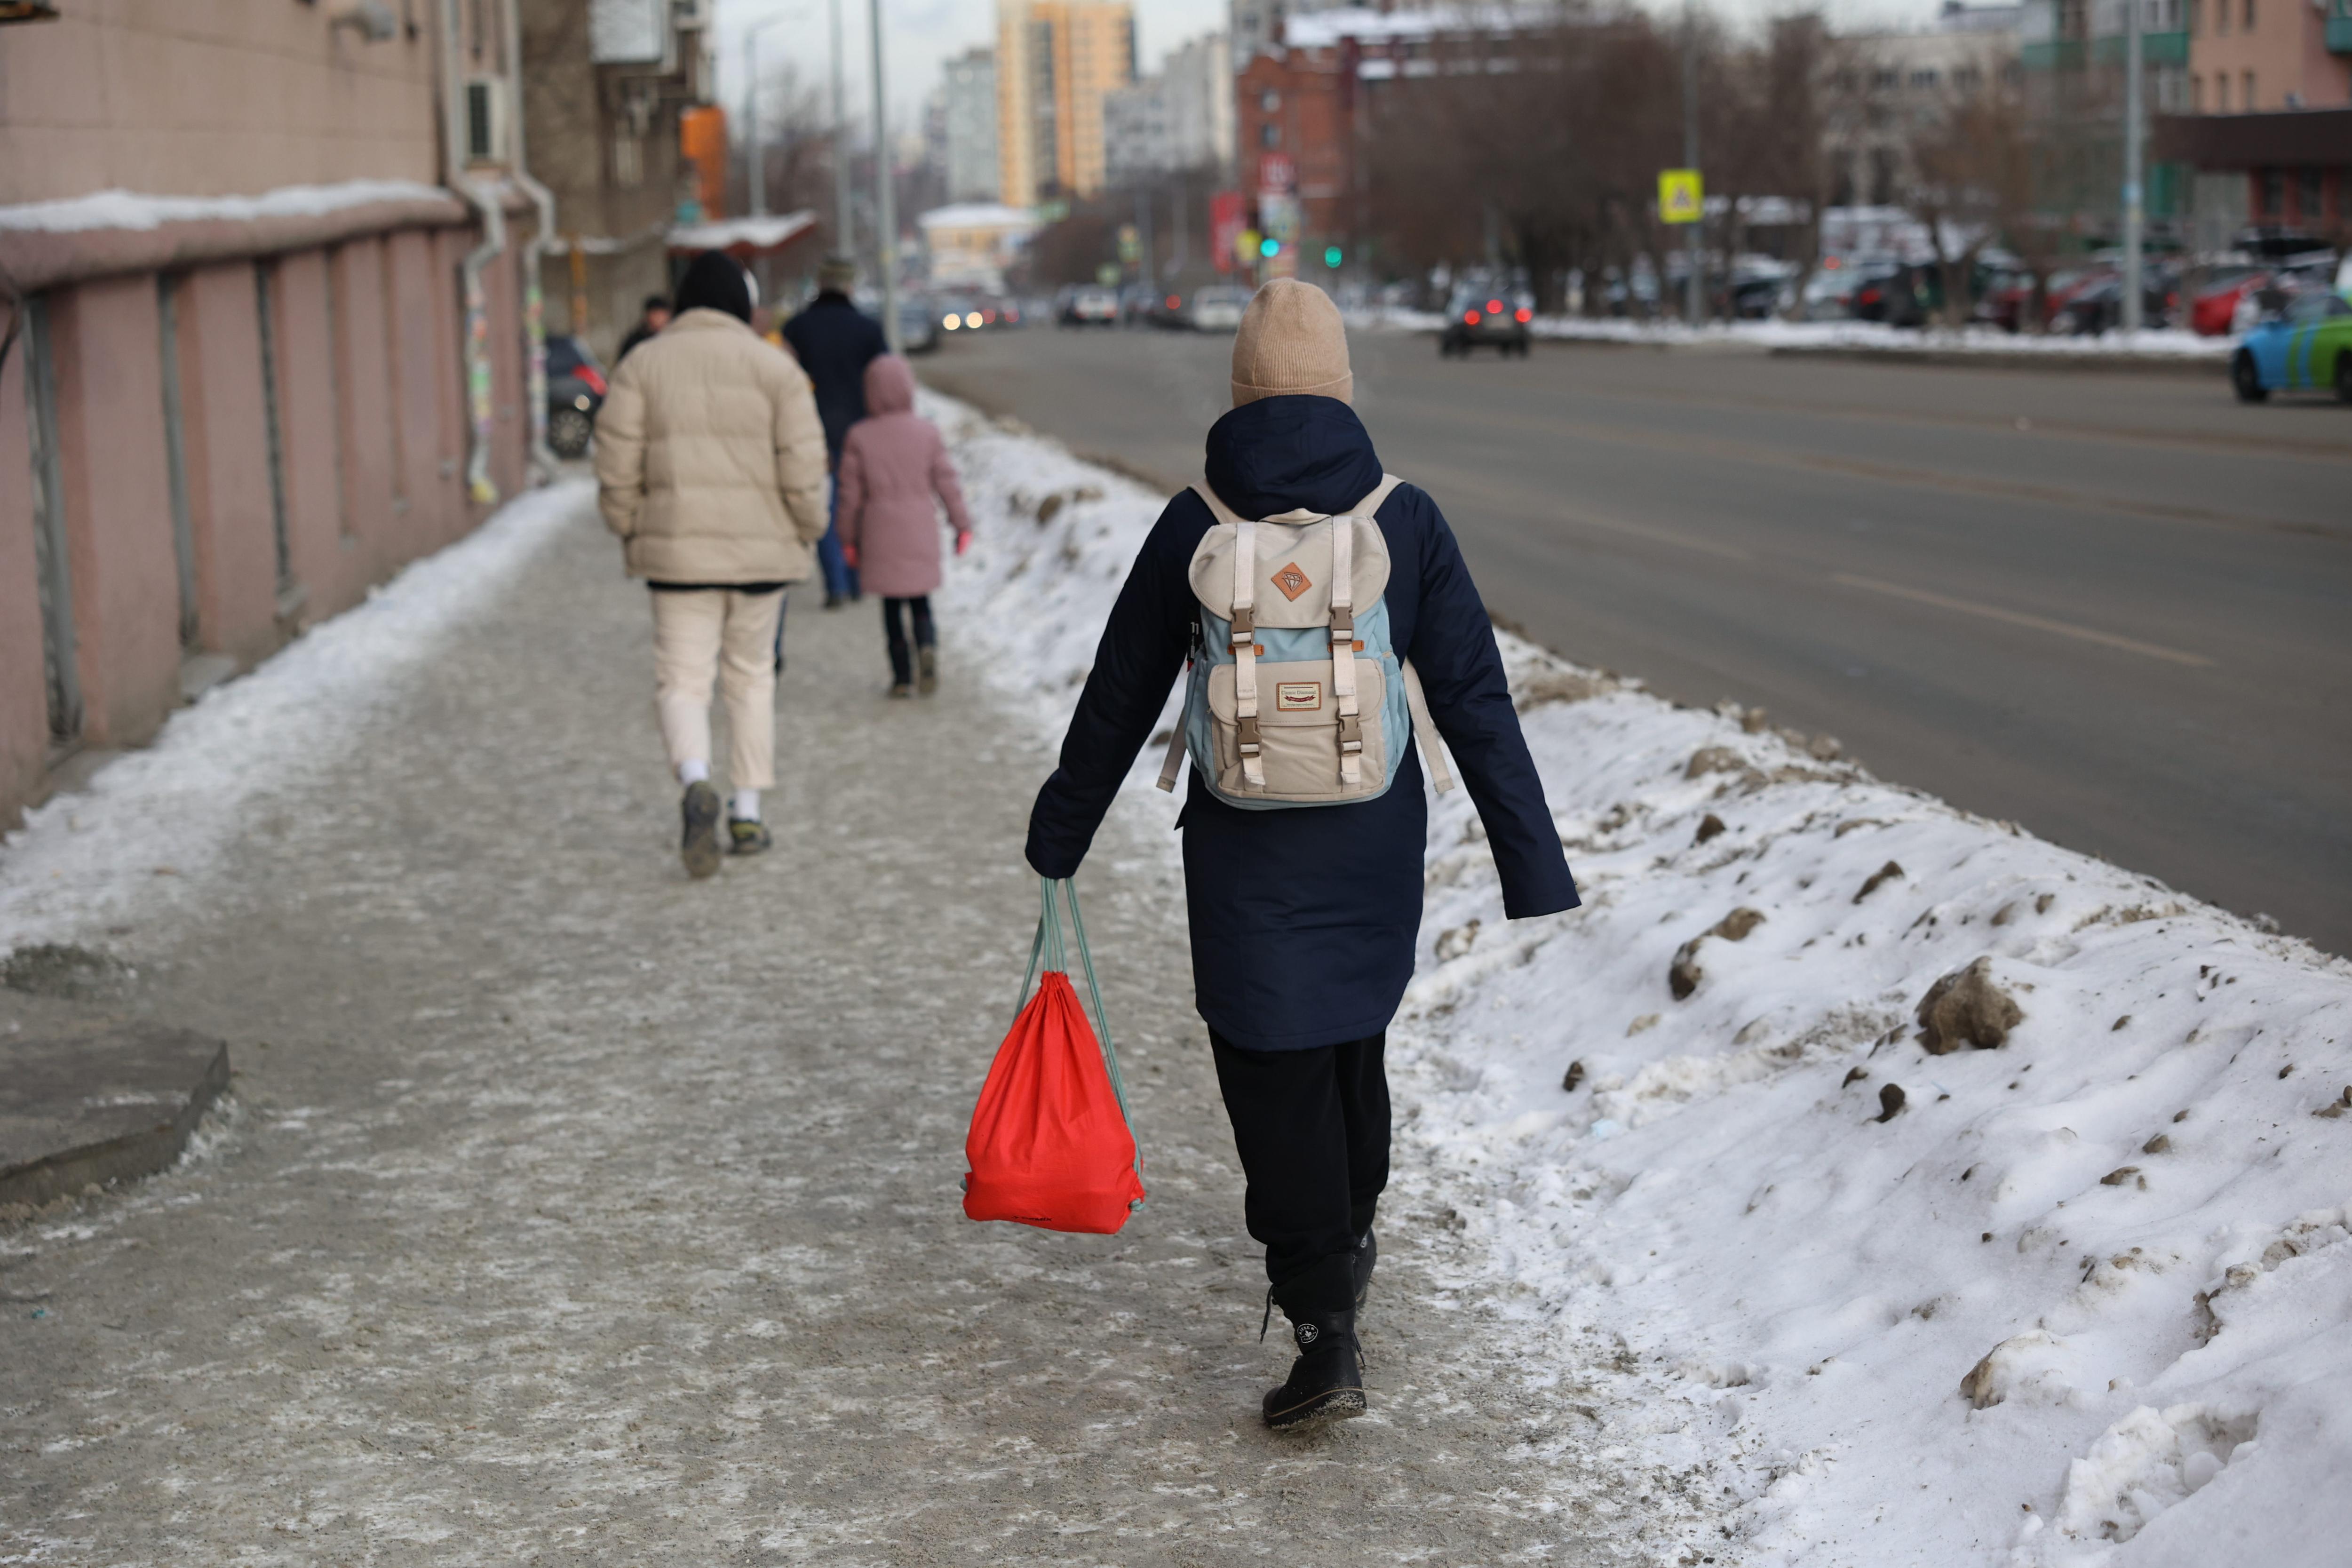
1331, 256
1269, 247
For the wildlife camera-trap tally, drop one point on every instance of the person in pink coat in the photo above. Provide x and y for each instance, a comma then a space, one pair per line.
893, 468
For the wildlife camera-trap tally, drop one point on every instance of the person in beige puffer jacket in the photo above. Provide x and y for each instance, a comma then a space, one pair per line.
710, 467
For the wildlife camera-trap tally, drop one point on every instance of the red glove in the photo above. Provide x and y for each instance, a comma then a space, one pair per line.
849, 556
963, 540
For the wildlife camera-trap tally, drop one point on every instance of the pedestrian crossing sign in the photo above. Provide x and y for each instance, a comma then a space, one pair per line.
1679, 197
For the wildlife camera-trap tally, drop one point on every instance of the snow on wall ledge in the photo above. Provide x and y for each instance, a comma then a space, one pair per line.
1955, 1198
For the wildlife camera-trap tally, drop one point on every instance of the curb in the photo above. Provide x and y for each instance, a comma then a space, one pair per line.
1996, 359
145, 1145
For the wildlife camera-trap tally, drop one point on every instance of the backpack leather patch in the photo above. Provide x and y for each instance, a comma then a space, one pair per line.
1298, 696
1292, 580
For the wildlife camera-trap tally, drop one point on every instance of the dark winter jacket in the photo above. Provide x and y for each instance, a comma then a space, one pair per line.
834, 342
1304, 920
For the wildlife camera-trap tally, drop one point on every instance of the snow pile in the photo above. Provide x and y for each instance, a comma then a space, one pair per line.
129, 209
2154, 343
168, 809
1958, 1198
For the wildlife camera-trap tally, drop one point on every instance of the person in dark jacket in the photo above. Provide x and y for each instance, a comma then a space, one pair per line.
655, 317
1305, 921
834, 342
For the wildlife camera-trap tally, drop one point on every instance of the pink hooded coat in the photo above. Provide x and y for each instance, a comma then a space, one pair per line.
892, 465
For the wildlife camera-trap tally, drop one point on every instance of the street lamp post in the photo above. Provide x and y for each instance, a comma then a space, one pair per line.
2134, 206
885, 206
845, 243
1693, 289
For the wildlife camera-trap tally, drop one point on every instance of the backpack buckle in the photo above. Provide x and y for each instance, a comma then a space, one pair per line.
1351, 734
1245, 624
1245, 736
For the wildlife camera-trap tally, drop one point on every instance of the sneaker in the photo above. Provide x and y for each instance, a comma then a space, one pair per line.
901, 689
833, 601
700, 848
1327, 1381
748, 836
927, 671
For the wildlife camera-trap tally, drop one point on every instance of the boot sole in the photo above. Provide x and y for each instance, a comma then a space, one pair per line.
701, 851
1331, 1404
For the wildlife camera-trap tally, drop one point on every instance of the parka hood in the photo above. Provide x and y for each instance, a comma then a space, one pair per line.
890, 386
1283, 454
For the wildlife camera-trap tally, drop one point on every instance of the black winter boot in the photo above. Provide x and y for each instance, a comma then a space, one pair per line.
1327, 1381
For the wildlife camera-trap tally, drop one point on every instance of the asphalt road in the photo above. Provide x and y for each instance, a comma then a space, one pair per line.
2114, 608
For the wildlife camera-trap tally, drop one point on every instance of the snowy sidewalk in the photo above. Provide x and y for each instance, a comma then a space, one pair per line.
568, 1211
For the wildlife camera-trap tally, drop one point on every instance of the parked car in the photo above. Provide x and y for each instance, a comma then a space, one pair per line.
1217, 308
1901, 294
2308, 344
2213, 310
1090, 305
2098, 305
1478, 318
919, 324
576, 392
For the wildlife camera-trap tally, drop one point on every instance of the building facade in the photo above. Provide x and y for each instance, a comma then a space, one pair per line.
603, 112
1882, 88
265, 341
1180, 118
971, 245
2250, 57
969, 127
1057, 61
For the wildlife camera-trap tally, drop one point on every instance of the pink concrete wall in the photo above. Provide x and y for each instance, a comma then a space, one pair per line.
366, 406
126, 588
309, 440
420, 329
24, 700
225, 441
511, 450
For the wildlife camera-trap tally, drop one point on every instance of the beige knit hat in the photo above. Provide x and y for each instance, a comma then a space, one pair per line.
1292, 344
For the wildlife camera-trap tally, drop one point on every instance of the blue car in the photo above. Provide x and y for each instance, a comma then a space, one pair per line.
2308, 344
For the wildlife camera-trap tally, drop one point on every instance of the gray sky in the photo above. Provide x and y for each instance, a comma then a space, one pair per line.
918, 35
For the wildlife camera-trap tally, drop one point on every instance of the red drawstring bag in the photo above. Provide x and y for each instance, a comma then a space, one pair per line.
1050, 1144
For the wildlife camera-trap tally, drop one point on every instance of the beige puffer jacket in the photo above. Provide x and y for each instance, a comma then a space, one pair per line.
709, 457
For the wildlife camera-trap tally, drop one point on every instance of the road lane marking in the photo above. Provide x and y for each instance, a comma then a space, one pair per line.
2019, 618
1655, 535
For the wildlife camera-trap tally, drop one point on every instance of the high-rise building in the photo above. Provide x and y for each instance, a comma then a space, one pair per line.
1256, 25
1180, 118
970, 101
1055, 62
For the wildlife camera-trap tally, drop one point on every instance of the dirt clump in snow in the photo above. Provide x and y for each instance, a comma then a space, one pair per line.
1561, 685
1684, 974
1890, 872
1967, 1008
63, 970
1714, 760
1710, 826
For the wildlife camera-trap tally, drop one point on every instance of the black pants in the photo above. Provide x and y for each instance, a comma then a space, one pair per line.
902, 669
1312, 1128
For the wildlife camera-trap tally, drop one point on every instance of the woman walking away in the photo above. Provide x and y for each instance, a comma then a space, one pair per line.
892, 465
1304, 822
710, 467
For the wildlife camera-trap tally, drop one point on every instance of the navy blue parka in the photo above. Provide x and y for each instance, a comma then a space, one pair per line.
1304, 920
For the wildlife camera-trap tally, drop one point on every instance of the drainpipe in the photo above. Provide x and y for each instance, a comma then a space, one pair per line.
485, 205
534, 302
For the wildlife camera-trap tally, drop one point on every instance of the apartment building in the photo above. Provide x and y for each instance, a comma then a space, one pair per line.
969, 112
264, 338
2246, 56
1057, 61
1181, 117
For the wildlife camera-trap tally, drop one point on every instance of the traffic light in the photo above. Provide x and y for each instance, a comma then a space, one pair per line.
1269, 247
1331, 255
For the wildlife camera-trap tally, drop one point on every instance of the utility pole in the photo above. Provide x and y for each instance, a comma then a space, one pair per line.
2134, 125
886, 203
845, 241
752, 114
1693, 251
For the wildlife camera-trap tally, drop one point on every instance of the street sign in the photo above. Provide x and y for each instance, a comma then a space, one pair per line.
1130, 244
1107, 274
1276, 174
1226, 222
1680, 198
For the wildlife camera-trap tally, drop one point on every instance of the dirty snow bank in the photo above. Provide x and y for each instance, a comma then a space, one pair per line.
131, 209
2154, 343
152, 819
2112, 1202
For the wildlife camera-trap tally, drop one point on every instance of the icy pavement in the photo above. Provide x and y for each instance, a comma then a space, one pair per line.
569, 1212
2064, 1280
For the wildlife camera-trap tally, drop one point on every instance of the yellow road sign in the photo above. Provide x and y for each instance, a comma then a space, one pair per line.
1680, 199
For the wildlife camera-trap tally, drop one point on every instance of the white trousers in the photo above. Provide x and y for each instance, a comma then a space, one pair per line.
709, 634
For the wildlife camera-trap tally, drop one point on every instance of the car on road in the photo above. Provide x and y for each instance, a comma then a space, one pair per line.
919, 324
1480, 318
1217, 307
576, 392
2306, 345
1089, 305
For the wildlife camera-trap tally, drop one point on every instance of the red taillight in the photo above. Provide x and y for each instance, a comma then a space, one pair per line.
1174, 302
1494, 307
988, 316
1470, 318
1523, 315
1011, 315
594, 379
1870, 296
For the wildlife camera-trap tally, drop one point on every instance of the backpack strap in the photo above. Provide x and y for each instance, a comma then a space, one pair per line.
1343, 649
1433, 753
1243, 639
1173, 763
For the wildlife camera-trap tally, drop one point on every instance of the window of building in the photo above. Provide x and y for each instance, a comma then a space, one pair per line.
1968, 79
2196, 17
2220, 18
2197, 94
1924, 78
1269, 101
2220, 92
2307, 193
2274, 194
2246, 97
1269, 136
2249, 15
